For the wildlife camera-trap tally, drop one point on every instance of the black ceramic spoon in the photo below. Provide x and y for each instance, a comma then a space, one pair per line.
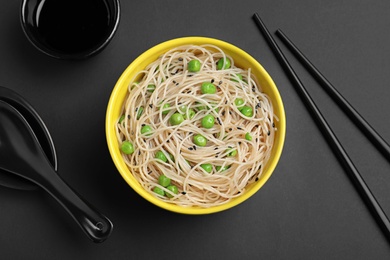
21, 154
41, 132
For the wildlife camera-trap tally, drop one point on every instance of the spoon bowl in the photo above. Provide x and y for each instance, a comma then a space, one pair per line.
41, 132
21, 154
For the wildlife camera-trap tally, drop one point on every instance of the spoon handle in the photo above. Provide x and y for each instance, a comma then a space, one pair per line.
22, 154
95, 225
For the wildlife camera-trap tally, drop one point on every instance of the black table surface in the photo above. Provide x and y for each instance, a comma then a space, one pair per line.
308, 209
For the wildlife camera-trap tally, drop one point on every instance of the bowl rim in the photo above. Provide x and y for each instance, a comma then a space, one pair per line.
115, 105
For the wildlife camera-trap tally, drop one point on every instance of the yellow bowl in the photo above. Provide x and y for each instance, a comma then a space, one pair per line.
241, 59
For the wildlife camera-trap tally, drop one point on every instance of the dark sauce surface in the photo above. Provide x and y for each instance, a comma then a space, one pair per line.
73, 26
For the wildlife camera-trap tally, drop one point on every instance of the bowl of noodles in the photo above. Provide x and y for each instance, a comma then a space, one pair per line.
195, 125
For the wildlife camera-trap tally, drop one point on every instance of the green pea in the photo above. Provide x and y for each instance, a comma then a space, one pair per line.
239, 102
248, 136
183, 109
127, 147
173, 189
200, 106
208, 88
121, 119
216, 108
139, 112
161, 156
190, 114
151, 87
223, 64
207, 167
200, 140
159, 191
232, 152
146, 129
164, 180
171, 157
194, 66
165, 109
176, 119
208, 121
238, 76
136, 83
247, 111
221, 169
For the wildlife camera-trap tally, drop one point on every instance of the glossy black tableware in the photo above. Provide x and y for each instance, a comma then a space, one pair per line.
70, 29
21, 154
359, 183
41, 132
349, 110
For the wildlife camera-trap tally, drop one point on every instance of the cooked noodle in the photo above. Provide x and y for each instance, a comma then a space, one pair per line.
180, 89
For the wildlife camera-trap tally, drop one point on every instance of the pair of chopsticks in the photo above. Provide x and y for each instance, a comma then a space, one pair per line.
329, 135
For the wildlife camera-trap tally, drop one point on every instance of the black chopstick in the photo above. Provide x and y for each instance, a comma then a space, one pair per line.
360, 122
331, 138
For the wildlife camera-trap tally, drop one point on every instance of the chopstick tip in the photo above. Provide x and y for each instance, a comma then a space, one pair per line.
279, 32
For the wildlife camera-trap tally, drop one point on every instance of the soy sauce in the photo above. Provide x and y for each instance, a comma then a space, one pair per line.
73, 26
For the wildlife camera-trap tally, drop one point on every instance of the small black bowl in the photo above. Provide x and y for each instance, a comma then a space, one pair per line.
70, 29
